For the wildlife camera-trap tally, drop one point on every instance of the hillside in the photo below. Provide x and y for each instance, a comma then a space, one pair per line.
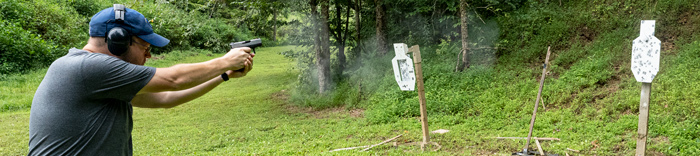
590, 93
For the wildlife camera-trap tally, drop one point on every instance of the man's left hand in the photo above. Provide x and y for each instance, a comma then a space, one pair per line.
240, 73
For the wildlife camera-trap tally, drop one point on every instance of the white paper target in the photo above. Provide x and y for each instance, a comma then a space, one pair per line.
403, 68
646, 53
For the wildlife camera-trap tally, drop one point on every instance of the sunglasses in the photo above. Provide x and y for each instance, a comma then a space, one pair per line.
148, 48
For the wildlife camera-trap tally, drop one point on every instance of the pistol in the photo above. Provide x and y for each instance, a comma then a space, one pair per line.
252, 44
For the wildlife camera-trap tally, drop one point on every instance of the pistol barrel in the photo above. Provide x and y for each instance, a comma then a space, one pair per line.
251, 44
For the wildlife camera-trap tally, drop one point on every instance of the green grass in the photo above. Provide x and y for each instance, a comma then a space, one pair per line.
589, 92
250, 116
591, 96
17, 91
242, 116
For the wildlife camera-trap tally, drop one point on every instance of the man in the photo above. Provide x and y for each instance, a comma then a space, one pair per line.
84, 104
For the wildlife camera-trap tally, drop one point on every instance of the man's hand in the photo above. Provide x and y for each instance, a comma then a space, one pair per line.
244, 71
239, 58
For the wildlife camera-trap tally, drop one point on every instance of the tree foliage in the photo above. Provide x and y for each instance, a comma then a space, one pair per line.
424, 22
200, 24
261, 17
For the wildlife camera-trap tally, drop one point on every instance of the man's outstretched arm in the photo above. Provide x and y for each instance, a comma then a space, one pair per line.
171, 99
185, 76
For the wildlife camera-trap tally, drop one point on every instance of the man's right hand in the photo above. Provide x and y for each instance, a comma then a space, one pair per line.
238, 58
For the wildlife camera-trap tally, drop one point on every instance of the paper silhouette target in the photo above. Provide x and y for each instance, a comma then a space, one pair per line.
646, 50
403, 68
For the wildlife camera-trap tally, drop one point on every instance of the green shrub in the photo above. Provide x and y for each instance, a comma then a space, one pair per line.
188, 30
20, 50
87, 8
52, 20
36, 32
215, 35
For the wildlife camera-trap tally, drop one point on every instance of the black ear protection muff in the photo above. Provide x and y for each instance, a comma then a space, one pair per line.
118, 39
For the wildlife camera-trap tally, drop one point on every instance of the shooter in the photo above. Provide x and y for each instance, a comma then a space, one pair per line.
84, 104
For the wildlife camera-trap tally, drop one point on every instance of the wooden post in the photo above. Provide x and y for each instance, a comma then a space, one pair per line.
646, 57
643, 119
539, 147
537, 101
421, 93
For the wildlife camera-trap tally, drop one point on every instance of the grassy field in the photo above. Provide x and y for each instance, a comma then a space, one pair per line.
591, 96
252, 116
247, 116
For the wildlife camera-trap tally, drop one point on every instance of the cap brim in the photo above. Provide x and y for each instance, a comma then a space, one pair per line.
155, 39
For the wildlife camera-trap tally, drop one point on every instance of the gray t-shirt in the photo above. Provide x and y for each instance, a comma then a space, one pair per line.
83, 105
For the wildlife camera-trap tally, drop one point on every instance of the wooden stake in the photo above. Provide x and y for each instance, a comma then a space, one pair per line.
383, 142
367, 146
643, 119
537, 101
539, 147
543, 107
349, 148
421, 93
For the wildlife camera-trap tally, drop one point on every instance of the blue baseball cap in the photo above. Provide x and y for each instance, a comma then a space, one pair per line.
134, 21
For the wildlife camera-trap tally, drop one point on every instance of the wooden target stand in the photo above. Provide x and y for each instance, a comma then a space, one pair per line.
534, 114
417, 62
404, 72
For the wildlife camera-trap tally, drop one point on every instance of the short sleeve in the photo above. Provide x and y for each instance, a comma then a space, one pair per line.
109, 77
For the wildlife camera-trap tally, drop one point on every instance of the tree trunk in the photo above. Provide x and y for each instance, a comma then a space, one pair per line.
465, 34
274, 25
381, 37
345, 34
358, 12
340, 38
323, 60
315, 21
318, 47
